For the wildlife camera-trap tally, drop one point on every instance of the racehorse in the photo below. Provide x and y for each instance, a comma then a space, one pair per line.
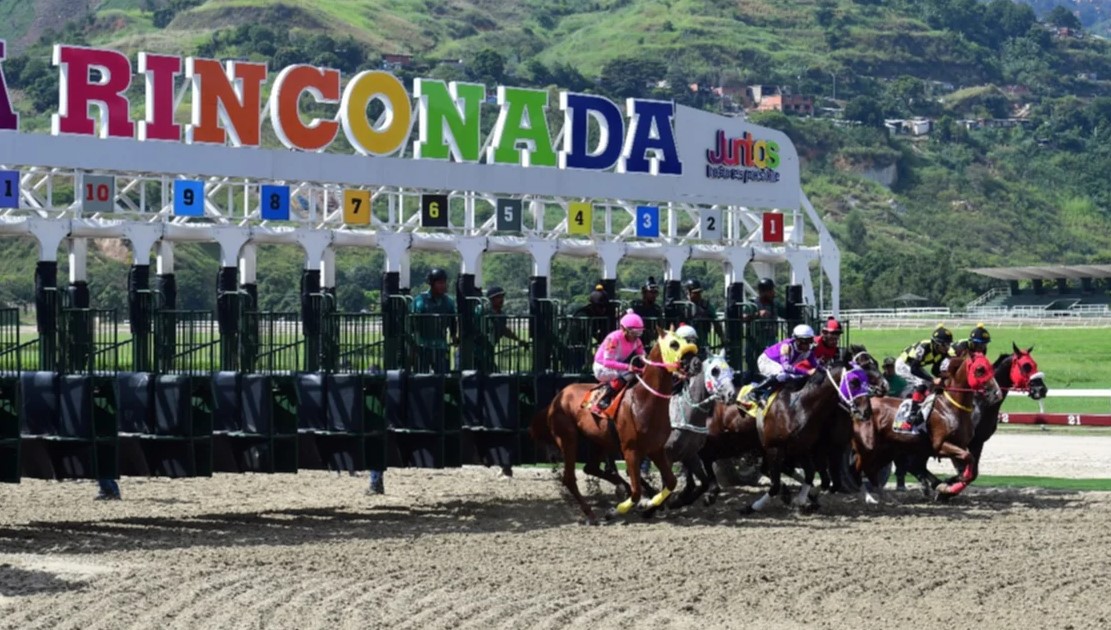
796, 418
949, 428
1017, 371
835, 444
691, 409
639, 429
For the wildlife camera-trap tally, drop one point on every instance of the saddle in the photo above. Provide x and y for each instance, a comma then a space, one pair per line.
596, 393
918, 425
754, 408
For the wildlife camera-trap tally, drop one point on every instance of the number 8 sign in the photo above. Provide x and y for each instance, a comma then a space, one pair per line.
648, 221
274, 203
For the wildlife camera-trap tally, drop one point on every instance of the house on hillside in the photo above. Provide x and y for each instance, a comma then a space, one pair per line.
914, 127
396, 62
787, 103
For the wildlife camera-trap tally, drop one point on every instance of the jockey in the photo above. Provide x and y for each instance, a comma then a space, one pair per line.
827, 349
911, 366
979, 339
611, 361
785, 360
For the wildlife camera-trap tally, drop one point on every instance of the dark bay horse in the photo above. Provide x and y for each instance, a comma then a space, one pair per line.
640, 429
708, 386
792, 425
949, 428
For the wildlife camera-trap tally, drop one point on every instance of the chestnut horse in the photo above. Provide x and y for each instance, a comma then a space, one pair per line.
792, 425
949, 429
640, 429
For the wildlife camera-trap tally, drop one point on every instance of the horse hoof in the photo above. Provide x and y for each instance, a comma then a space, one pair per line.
709, 500
610, 514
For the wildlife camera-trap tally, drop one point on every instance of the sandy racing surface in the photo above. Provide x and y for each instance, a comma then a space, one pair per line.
464, 549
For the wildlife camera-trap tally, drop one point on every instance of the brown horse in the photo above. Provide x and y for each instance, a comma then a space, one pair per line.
792, 425
640, 429
949, 429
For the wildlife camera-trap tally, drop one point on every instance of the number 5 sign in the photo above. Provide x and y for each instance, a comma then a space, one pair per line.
773, 227
509, 215
98, 194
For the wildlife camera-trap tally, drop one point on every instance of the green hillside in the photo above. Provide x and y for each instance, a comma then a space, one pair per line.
1034, 193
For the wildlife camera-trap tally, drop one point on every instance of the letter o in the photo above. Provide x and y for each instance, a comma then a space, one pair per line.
361, 133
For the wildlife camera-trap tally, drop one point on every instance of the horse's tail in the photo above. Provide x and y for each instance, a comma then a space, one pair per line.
539, 430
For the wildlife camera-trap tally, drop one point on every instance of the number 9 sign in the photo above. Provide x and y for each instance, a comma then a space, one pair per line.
188, 198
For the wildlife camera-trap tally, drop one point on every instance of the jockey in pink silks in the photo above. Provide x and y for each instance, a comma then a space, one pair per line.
611, 361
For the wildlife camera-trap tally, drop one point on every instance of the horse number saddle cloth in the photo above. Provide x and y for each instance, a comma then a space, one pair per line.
595, 394
754, 408
917, 424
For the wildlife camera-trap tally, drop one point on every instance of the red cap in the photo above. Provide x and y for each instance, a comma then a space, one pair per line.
832, 325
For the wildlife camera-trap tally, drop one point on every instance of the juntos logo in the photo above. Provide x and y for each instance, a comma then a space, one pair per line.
756, 159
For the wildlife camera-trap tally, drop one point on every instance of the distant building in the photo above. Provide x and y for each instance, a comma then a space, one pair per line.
787, 103
396, 62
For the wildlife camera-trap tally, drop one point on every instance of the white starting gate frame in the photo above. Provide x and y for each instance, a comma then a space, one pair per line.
718, 179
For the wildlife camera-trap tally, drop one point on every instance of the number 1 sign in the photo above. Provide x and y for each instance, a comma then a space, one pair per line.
773, 227
9, 189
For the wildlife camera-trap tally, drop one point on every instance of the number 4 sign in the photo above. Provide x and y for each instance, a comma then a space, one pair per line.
773, 227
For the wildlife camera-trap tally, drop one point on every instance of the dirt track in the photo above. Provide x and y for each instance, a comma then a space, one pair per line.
463, 549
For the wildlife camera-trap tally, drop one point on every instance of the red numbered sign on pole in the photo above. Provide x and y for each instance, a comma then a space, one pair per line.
773, 227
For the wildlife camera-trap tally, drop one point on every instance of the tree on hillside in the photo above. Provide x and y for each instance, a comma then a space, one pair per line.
907, 92
630, 77
864, 109
488, 67
1063, 18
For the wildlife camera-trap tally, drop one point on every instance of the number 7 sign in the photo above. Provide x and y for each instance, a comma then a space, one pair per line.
773, 227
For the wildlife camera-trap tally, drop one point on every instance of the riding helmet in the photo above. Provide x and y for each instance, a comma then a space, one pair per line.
941, 334
436, 274
765, 284
980, 334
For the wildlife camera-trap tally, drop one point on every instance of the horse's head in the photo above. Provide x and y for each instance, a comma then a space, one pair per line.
853, 390
975, 372
672, 348
859, 356
717, 378
1024, 373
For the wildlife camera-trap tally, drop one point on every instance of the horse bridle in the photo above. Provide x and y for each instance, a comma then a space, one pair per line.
845, 401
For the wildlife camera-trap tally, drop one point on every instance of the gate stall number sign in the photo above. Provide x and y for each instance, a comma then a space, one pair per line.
9, 189
98, 194
580, 217
509, 215
648, 221
356, 207
188, 198
773, 227
274, 203
433, 211
709, 222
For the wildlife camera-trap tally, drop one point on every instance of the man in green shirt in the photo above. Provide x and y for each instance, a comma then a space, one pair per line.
702, 314
896, 384
761, 321
433, 320
493, 326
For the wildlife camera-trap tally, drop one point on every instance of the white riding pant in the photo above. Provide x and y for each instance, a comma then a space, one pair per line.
605, 374
768, 367
903, 370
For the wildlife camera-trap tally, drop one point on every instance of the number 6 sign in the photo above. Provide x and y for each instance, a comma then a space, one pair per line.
98, 194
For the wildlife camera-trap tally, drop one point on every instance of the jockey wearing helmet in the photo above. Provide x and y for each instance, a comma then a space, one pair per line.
611, 361
828, 347
785, 360
911, 366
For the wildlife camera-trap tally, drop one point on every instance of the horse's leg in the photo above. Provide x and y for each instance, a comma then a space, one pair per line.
567, 442
667, 475
610, 473
807, 493
632, 468
773, 459
710, 481
968, 473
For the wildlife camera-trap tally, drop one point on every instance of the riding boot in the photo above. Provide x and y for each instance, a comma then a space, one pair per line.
606, 400
759, 393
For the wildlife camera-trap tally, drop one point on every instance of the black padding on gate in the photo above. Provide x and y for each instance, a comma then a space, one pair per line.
395, 398
173, 407
227, 415
424, 397
76, 395
310, 401
344, 393
256, 403
471, 386
38, 403
134, 393
500, 404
